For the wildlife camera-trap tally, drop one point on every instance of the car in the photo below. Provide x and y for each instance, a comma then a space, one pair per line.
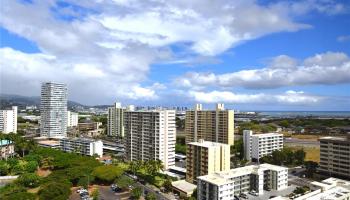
236, 197
243, 195
157, 192
117, 189
253, 193
271, 197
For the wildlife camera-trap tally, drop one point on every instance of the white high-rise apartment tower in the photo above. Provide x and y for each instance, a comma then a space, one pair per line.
115, 126
53, 110
150, 135
8, 120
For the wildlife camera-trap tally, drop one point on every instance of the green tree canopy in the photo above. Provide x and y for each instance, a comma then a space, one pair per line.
136, 192
124, 182
29, 180
107, 173
54, 191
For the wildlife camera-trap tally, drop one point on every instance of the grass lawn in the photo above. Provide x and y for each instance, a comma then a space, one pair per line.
312, 153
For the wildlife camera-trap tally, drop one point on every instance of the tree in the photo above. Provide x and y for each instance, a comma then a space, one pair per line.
124, 182
299, 156
54, 191
134, 167
167, 185
136, 192
31, 166
47, 163
284, 123
20, 196
95, 194
310, 168
151, 196
29, 180
4, 168
107, 173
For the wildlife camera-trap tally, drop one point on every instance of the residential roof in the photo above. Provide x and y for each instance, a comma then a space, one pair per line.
207, 144
184, 186
5, 142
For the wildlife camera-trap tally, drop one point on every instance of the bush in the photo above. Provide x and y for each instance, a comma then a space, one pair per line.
136, 192
31, 166
29, 180
55, 191
124, 182
20, 196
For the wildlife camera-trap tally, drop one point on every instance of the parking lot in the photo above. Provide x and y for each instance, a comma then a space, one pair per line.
105, 194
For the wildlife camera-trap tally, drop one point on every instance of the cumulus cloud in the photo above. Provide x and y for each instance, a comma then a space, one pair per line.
327, 68
287, 98
104, 49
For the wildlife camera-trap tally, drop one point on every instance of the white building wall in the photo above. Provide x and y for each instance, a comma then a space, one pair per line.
72, 119
53, 110
8, 120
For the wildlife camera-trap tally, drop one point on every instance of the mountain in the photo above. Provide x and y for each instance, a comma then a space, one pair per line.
8, 100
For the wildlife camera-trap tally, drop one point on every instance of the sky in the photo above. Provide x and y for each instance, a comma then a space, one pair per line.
247, 54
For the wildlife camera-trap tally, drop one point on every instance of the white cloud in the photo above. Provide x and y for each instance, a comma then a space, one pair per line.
287, 98
343, 38
328, 68
103, 49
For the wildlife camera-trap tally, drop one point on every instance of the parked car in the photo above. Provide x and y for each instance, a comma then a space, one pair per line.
253, 193
244, 196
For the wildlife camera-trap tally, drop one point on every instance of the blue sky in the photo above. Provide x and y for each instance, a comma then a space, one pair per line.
250, 55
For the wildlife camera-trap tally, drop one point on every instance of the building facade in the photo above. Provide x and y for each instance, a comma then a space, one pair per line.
335, 156
150, 135
260, 145
210, 125
8, 120
53, 110
204, 157
84, 146
7, 149
72, 119
115, 122
224, 185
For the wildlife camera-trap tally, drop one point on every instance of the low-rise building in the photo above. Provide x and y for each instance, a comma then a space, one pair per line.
329, 189
183, 188
205, 157
82, 146
89, 126
335, 156
226, 184
260, 145
7, 149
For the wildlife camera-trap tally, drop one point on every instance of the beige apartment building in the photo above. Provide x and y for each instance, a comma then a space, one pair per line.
335, 156
150, 135
210, 125
205, 157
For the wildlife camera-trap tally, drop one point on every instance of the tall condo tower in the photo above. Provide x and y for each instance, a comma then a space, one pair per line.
150, 135
53, 110
210, 125
115, 126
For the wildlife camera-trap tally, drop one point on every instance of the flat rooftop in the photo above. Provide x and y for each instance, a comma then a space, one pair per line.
184, 186
5, 142
267, 134
207, 144
220, 178
335, 138
49, 142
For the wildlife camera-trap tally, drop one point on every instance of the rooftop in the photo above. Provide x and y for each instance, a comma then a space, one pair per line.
207, 144
49, 142
184, 186
267, 134
223, 177
334, 138
5, 142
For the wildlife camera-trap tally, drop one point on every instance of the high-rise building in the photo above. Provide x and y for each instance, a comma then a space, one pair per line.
150, 135
210, 125
53, 110
335, 156
72, 119
226, 184
115, 124
8, 120
204, 157
260, 145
